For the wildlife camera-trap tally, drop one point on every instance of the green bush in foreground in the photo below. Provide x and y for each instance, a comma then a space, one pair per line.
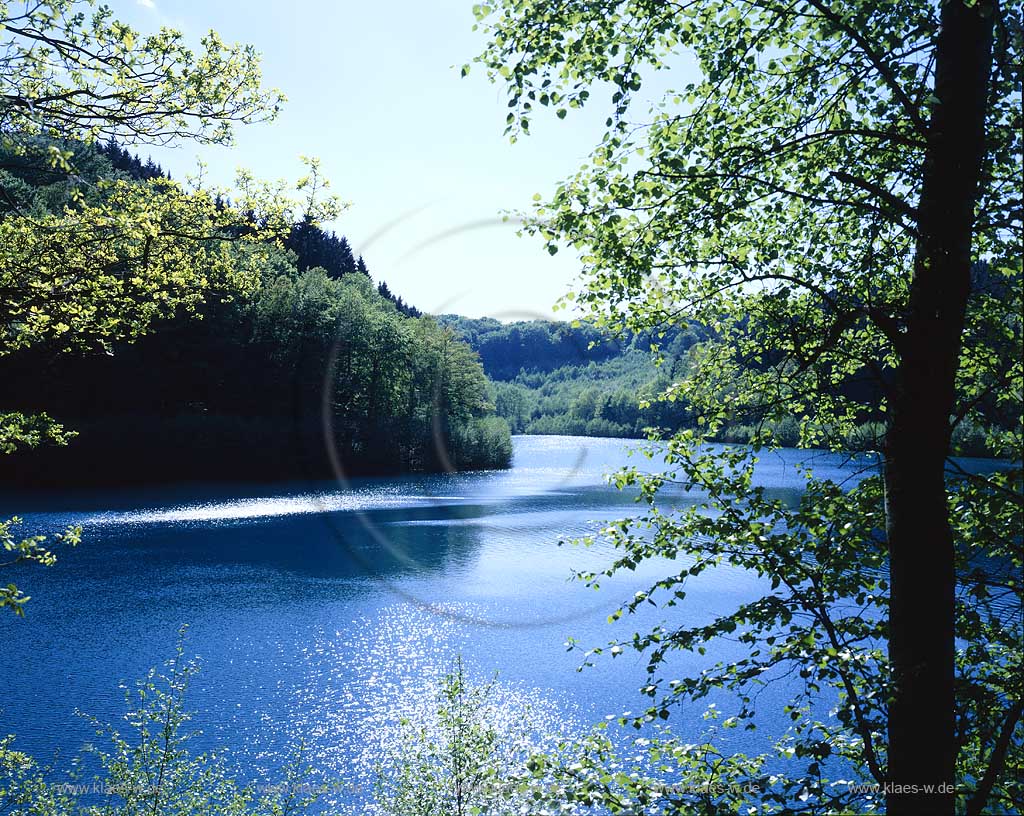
457, 759
151, 769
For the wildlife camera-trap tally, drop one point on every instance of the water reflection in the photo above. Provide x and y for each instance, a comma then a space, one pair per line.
319, 612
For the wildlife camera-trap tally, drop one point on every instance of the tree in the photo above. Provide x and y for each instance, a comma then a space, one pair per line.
72, 73
106, 260
512, 402
838, 197
401, 393
316, 248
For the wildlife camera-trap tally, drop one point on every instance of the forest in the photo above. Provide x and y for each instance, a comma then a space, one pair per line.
238, 386
573, 378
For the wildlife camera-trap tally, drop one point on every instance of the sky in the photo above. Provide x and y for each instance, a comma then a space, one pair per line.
374, 91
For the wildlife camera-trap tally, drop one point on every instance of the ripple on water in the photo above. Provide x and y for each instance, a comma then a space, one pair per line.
354, 685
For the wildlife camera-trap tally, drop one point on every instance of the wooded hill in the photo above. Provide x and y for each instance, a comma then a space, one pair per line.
552, 377
245, 386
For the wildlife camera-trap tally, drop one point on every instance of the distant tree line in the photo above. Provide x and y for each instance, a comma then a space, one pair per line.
129, 163
553, 377
506, 349
615, 397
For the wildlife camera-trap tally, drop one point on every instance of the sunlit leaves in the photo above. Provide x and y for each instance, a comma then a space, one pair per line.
105, 271
30, 550
459, 754
772, 199
148, 765
72, 73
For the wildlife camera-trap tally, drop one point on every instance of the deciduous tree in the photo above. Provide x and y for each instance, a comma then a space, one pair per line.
838, 196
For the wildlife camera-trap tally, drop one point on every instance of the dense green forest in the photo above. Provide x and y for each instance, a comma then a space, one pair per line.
563, 378
551, 377
242, 384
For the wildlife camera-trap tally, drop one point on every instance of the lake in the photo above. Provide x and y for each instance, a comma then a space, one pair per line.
319, 609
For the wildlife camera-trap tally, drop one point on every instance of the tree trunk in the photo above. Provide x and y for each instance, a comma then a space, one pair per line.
922, 750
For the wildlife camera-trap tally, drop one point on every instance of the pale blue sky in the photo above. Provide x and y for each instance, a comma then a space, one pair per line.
373, 92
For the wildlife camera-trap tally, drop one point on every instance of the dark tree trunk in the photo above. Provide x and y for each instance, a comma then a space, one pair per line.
922, 749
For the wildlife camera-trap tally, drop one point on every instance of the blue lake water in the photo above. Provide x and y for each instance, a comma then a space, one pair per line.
319, 610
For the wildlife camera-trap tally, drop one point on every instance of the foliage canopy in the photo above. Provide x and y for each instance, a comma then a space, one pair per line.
837, 197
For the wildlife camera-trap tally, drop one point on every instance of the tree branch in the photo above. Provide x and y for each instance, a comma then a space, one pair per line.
996, 760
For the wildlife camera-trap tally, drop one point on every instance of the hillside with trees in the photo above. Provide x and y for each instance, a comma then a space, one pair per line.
576, 379
562, 378
240, 385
